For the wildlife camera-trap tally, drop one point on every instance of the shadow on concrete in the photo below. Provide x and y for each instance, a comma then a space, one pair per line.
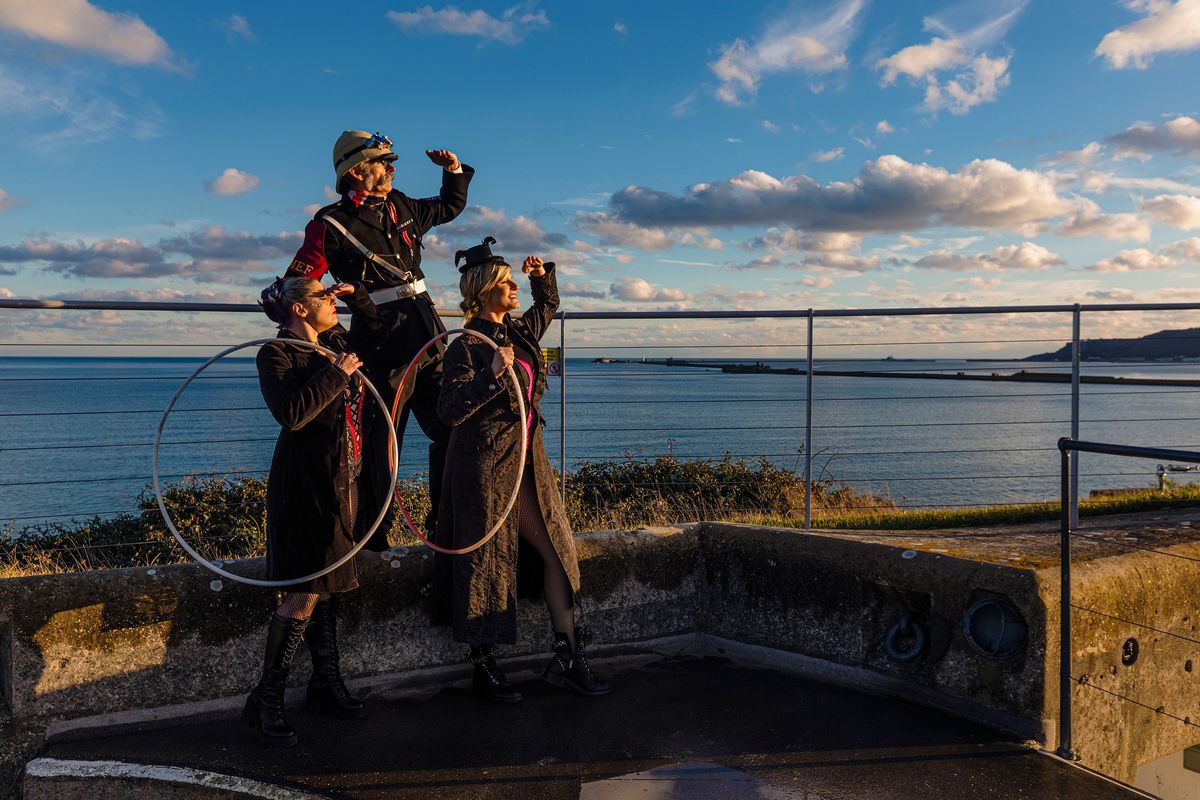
764, 733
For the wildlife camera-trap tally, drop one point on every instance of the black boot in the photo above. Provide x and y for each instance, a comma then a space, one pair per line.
326, 689
489, 682
569, 670
264, 707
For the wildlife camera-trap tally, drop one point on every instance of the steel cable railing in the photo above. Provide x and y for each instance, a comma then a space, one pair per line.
658, 415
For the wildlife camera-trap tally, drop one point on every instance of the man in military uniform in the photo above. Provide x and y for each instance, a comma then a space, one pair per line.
372, 235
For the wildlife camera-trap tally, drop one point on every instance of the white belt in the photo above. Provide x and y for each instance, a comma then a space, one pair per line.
401, 292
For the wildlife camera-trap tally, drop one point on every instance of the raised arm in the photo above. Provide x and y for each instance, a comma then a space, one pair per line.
429, 212
544, 288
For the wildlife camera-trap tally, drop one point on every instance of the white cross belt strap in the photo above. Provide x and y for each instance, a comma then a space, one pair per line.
404, 274
400, 292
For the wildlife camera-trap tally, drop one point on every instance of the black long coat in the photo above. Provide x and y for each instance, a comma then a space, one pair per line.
317, 506
481, 470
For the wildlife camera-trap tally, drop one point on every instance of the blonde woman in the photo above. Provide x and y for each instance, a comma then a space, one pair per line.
479, 404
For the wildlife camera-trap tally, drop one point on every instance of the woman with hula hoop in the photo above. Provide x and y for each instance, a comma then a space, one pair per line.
484, 458
316, 488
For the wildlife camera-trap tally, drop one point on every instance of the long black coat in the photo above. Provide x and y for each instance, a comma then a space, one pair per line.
481, 470
316, 506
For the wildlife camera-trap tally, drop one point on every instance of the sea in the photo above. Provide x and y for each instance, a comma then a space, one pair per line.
76, 433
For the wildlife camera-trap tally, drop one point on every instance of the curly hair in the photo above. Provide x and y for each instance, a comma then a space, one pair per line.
278, 298
475, 284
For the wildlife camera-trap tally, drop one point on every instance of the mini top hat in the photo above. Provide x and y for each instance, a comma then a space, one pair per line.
478, 255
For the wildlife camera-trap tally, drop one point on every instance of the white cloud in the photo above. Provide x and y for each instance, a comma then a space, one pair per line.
620, 28
1176, 210
888, 194
1112, 295
231, 182
79, 25
1166, 28
514, 234
956, 49
624, 234
6, 293
819, 262
825, 156
1089, 220
1134, 261
1187, 249
208, 254
8, 202
769, 127
1075, 158
783, 240
510, 28
883, 127
1024, 256
637, 290
238, 28
1179, 136
794, 43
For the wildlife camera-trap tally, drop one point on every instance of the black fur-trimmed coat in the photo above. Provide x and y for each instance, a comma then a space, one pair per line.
481, 470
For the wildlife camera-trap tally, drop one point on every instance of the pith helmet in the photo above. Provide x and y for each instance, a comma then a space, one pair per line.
355, 147
478, 255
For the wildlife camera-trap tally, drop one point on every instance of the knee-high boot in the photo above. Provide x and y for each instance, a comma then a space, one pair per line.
326, 689
264, 707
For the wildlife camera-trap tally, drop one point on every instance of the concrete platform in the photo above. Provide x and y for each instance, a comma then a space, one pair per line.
676, 727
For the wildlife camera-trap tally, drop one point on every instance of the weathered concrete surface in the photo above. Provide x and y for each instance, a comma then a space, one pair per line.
835, 598
98, 642
92, 645
795, 738
59, 779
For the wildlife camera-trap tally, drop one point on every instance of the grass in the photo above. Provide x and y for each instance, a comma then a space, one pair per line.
223, 519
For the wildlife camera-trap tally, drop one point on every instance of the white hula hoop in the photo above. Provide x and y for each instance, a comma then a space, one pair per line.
521, 413
167, 516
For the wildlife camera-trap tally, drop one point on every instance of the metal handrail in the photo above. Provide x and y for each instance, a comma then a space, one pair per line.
147, 305
1067, 468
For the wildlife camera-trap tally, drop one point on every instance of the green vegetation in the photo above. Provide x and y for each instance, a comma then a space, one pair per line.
223, 519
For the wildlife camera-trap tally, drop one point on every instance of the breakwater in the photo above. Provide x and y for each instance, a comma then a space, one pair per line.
1022, 376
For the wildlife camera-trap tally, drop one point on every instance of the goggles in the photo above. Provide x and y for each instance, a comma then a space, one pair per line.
377, 142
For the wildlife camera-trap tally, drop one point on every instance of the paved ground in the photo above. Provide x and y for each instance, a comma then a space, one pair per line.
701, 729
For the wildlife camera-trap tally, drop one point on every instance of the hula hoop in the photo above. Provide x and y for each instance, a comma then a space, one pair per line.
512, 376
171, 524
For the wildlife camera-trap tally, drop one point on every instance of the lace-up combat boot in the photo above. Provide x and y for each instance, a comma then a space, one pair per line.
489, 682
326, 689
570, 670
264, 707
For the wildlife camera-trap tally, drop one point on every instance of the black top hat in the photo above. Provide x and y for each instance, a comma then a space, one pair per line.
478, 255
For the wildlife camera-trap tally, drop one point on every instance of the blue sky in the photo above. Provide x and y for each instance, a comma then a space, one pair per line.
782, 155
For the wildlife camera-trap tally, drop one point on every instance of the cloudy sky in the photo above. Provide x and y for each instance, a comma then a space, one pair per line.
782, 155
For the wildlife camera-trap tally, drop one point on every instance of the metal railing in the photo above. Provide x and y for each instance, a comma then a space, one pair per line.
1067, 447
571, 434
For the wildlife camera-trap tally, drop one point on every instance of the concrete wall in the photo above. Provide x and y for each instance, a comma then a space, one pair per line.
76, 646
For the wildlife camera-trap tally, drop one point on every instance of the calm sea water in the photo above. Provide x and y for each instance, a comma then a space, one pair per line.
77, 432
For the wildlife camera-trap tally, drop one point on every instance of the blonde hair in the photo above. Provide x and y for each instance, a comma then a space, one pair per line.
475, 284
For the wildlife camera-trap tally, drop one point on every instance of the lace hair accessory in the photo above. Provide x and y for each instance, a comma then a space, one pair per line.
270, 298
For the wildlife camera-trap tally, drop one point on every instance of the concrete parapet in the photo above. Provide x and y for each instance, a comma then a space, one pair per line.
81, 651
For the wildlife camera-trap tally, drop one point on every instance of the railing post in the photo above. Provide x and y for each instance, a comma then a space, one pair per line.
808, 406
1076, 352
1064, 631
562, 406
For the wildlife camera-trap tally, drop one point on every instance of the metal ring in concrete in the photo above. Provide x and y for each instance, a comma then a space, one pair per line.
158, 487
521, 412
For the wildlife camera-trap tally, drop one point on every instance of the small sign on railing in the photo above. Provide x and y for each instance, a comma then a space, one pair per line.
553, 358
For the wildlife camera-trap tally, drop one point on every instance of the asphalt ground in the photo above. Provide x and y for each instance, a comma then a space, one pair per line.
695, 728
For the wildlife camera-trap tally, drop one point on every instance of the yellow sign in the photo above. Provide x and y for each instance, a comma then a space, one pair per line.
554, 360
